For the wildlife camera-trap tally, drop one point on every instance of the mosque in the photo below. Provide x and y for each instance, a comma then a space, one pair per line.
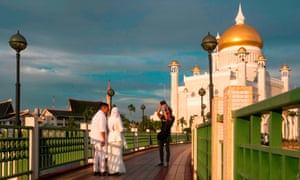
240, 78
238, 60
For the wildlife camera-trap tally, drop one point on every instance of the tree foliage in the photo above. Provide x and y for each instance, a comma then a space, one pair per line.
88, 113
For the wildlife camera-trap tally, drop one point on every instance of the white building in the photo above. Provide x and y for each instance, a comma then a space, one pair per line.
239, 77
238, 60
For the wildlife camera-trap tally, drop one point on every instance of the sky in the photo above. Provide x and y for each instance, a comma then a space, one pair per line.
75, 47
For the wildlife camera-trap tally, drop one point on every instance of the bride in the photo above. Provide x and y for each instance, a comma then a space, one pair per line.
116, 140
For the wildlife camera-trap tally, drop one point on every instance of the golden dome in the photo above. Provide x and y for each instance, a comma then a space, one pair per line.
174, 63
285, 67
240, 34
196, 69
261, 58
186, 90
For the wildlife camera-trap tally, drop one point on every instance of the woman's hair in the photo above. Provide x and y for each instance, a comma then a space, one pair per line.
162, 102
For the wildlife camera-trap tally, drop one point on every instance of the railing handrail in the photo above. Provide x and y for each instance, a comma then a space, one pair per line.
275, 103
260, 152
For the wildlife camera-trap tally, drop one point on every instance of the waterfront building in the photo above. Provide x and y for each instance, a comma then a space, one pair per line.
76, 110
8, 114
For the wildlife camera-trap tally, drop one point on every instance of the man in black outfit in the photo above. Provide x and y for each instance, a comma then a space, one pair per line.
164, 112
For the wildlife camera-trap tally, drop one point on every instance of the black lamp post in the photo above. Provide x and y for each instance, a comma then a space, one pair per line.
202, 93
18, 43
209, 43
110, 93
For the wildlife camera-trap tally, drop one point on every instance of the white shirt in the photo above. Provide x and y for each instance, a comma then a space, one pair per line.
98, 125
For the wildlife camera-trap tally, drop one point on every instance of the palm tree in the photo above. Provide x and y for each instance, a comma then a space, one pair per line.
143, 107
88, 113
131, 108
71, 123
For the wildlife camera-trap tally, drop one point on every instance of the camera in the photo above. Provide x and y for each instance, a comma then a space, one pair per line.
161, 112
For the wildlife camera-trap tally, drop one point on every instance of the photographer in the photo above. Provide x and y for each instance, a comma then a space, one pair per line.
164, 112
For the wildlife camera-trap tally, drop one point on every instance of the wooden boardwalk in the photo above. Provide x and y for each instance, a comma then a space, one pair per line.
142, 165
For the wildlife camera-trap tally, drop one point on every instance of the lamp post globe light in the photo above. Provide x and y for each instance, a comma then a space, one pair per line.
209, 43
110, 93
202, 93
18, 43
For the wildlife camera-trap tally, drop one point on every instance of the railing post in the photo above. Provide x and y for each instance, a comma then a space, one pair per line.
33, 147
136, 142
275, 126
151, 139
84, 126
194, 153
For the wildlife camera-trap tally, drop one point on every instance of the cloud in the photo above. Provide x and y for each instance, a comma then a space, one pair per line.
75, 47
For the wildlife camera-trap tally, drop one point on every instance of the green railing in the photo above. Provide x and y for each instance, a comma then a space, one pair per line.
203, 151
136, 141
15, 150
252, 158
142, 140
34, 152
60, 146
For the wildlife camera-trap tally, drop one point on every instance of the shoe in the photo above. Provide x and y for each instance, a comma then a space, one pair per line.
160, 164
103, 173
114, 174
97, 174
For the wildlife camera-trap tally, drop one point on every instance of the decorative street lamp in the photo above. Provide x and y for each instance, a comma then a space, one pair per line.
202, 93
18, 43
209, 43
110, 94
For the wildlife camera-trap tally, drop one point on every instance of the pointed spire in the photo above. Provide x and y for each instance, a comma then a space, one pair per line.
108, 85
218, 36
240, 19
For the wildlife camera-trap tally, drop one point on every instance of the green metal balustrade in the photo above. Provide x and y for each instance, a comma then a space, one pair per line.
60, 146
15, 152
254, 160
204, 151
32, 152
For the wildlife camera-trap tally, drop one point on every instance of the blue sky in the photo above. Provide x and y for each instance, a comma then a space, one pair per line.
75, 47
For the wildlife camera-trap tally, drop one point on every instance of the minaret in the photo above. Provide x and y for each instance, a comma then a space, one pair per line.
174, 70
284, 70
261, 80
196, 70
242, 69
